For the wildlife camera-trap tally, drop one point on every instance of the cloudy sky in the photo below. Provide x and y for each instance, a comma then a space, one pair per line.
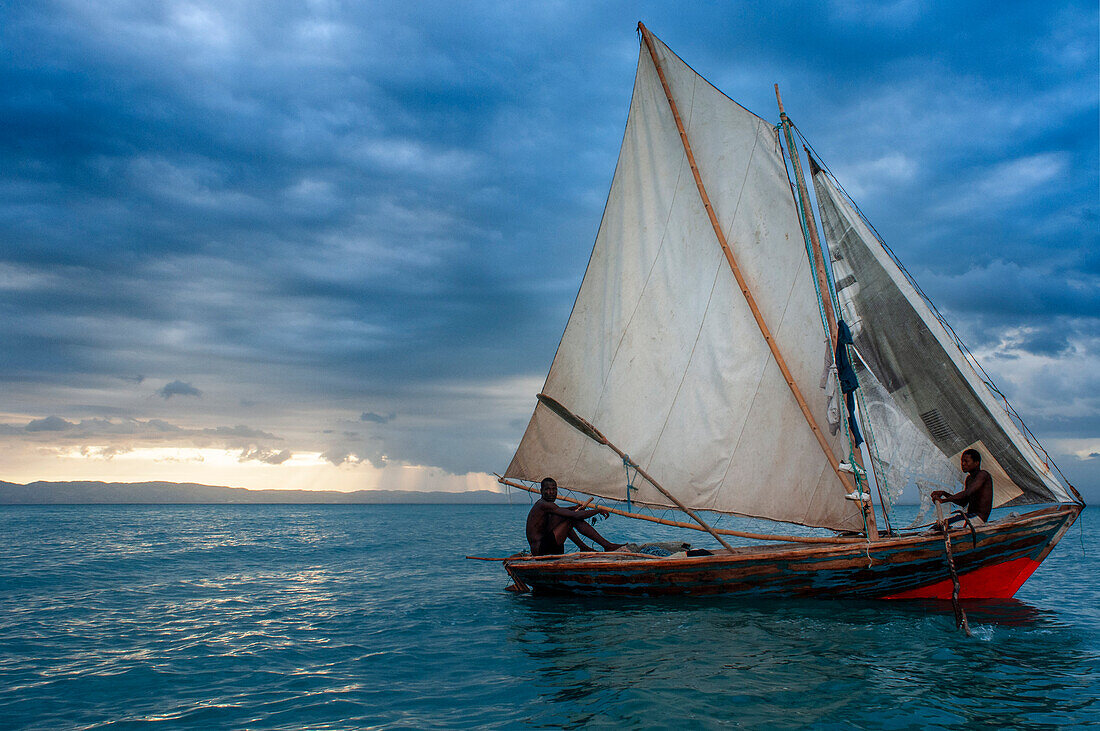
334, 245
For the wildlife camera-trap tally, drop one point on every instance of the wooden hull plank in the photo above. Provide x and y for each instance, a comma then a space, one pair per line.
1004, 556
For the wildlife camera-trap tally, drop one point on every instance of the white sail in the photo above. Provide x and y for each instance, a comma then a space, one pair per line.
661, 352
918, 362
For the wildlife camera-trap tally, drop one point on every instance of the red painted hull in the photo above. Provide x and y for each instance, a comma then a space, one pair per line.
992, 563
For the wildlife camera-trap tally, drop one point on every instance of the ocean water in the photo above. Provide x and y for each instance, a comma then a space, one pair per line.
368, 616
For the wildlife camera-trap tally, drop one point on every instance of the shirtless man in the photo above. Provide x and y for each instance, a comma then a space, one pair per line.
549, 524
976, 496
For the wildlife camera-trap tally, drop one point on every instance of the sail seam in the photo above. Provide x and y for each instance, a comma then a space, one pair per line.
614, 175
767, 360
687, 366
702, 320
638, 301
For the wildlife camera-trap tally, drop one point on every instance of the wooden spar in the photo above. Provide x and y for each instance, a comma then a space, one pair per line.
809, 224
691, 526
741, 282
594, 434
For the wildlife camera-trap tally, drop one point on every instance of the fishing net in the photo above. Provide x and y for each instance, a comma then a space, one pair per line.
903, 455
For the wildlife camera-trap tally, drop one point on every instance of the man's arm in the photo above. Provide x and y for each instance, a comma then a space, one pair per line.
574, 513
961, 497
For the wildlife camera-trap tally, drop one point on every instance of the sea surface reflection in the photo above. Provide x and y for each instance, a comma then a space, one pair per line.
368, 616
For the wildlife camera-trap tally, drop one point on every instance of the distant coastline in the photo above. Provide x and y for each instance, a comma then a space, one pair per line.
181, 493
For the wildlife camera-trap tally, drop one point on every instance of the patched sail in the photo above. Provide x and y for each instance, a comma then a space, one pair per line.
662, 353
920, 365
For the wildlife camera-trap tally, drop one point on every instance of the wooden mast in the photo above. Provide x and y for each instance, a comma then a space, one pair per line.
741, 282
810, 226
869, 436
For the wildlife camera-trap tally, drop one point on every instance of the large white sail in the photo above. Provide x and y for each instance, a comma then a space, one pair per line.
918, 362
661, 352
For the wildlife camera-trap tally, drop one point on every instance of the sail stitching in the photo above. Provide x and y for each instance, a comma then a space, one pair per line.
702, 320
763, 372
546, 382
764, 368
687, 366
637, 303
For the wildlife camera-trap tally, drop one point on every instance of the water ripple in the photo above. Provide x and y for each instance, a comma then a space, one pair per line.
337, 617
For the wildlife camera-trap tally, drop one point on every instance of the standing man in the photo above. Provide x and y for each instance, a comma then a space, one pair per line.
977, 493
549, 524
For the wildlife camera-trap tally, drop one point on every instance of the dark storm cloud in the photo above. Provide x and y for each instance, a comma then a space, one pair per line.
50, 423
240, 431
144, 428
280, 157
393, 204
342, 456
377, 418
177, 388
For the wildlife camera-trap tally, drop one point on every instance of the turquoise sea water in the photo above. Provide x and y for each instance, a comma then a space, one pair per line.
280, 616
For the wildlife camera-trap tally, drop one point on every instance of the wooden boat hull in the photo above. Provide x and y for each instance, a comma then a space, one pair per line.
993, 562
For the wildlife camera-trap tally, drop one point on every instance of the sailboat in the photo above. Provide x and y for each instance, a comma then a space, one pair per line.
698, 372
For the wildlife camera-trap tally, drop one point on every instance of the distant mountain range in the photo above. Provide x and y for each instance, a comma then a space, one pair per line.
121, 493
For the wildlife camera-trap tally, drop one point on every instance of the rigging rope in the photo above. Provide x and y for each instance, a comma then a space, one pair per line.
629, 482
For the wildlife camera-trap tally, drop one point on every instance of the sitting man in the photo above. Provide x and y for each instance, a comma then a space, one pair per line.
549, 524
976, 496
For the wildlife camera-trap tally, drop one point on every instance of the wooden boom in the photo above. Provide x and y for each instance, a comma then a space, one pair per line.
596, 435
691, 526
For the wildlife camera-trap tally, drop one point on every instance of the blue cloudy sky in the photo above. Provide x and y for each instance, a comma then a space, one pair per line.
334, 245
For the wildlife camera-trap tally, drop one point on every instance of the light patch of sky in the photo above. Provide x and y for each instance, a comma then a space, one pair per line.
202, 24
1080, 448
1005, 182
210, 466
865, 178
312, 196
416, 157
895, 14
1063, 386
198, 185
14, 277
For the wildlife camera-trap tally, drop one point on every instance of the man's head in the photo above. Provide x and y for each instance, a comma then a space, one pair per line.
549, 489
970, 460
